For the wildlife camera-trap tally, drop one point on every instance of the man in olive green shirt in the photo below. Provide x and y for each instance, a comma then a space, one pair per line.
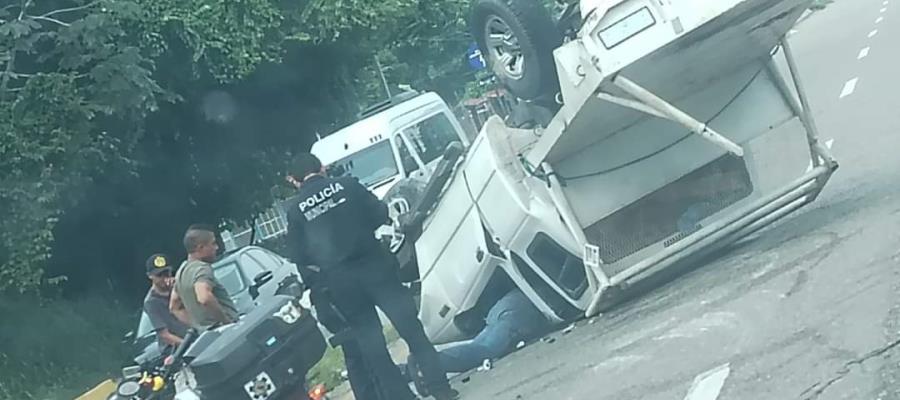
198, 299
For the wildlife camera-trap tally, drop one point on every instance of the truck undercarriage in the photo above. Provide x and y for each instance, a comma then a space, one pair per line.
682, 127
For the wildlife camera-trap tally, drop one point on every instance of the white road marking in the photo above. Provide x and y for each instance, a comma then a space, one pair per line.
792, 32
771, 266
618, 363
708, 385
885, 2
828, 144
849, 87
879, 19
712, 321
873, 33
883, 10
863, 53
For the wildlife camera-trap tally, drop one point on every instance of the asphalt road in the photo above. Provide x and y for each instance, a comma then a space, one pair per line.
807, 310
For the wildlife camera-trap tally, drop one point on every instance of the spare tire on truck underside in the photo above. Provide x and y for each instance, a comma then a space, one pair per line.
517, 39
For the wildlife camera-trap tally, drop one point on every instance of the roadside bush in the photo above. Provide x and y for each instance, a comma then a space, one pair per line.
58, 350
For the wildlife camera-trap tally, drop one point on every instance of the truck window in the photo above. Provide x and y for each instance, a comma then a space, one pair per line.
432, 136
371, 166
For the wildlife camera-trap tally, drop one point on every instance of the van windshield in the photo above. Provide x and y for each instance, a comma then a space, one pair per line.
432, 136
371, 166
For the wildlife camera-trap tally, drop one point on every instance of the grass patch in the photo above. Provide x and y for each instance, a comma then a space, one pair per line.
59, 350
390, 334
328, 370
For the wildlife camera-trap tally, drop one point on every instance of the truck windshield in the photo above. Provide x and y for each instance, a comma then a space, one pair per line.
371, 165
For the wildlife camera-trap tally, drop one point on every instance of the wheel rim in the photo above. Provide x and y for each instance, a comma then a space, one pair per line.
396, 208
504, 48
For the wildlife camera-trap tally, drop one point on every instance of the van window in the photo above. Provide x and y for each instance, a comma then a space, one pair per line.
409, 163
432, 136
371, 165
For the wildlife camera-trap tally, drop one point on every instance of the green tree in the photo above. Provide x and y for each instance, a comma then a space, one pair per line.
79, 80
73, 90
122, 121
195, 104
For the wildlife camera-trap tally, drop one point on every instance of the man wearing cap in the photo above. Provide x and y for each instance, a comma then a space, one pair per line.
169, 330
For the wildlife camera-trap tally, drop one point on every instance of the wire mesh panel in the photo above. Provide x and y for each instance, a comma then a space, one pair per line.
672, 212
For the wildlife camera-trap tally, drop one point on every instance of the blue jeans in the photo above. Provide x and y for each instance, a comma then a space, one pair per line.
495, 341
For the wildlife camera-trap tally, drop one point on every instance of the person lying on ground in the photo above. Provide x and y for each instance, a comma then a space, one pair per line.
513, 319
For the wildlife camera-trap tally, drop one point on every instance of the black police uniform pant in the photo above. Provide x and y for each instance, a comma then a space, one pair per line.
356, 291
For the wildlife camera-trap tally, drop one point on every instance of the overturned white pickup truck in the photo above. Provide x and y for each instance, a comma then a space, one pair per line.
679, 126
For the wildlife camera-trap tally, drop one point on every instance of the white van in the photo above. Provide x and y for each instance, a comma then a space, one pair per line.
395, 139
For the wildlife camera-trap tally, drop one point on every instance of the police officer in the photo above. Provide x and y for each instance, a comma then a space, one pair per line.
331, 225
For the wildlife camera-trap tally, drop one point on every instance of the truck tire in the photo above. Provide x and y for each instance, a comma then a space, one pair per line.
517, 39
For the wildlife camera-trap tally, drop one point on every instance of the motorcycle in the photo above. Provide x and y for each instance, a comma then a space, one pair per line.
264, 356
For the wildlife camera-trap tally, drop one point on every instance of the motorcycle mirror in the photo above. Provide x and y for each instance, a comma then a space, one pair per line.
131, 372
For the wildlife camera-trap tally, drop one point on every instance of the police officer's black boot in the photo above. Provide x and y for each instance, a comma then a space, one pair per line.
415, 375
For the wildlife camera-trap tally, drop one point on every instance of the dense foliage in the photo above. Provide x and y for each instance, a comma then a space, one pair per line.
122, 121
